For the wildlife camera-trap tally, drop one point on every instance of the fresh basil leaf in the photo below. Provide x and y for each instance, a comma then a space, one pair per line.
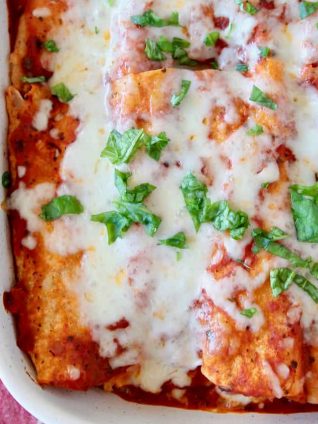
264, 51
268, 241
307, 8
195, 198
59, 206
51, 46
224, 218
149, 18
229, 31
211, 39
120, 148
304, 205
135, 195
156, 144
282, 278
249, 313
139, 213
153, 51
265, 186
165, 45
178, 240
262, 99
6, 179
214, 64
247, 7
177, 98
33, 80
180, 42
241, 67
62, 92
116, 223
202, 210
255, 131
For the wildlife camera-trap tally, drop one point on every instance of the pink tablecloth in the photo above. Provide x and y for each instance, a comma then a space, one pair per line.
11, 412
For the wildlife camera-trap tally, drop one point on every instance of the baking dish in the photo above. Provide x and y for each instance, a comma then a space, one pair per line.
53, 406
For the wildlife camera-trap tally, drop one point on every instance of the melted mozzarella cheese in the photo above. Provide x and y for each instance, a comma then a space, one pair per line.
41, 118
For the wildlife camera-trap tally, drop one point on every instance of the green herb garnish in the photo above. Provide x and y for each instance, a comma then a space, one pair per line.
264, 51
51, 46
177, 98
307, 8
59, 206
62, 92
6, 180
255, 131
262, 99
241, 67
247, 7
219, 214
282, 278
249, 313
304, 205
33, 80
211, 39
149, 18
153, 51
178, 240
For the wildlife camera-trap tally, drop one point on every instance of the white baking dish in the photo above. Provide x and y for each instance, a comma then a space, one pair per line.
95, 407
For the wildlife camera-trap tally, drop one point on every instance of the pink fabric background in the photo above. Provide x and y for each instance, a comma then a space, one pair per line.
11, 412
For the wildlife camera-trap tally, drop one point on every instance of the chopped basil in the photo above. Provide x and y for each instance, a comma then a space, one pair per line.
6, 179
202, 210
165, 44
195, 197
135, 195
249, 313
262, 99
96, 29
62, 92
268, 241
282, 278
178, 240
155, 145
139, 213
116, 223
256, 130
264, 51
59, 206
223, 218
307, 8
33, 80
211, 39
120, 148
265, 185
153, 51
50, 46
149, 18
177, 98
247, 7
214, 64
241, 67
229, 31
304, 204
130, 209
